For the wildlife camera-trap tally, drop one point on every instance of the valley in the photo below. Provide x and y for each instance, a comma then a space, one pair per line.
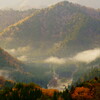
57, 47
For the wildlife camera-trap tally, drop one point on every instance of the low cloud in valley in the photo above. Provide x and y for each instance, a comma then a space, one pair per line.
86, 56
55, 60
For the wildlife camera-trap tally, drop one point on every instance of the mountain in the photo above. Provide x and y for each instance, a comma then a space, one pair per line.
62, 29
7, 61
61, 32
13, 69
8, 17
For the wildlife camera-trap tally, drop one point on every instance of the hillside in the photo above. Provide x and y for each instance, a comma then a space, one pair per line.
88, 90
9, 17
6, 60
62, 29
5, 83
13, 69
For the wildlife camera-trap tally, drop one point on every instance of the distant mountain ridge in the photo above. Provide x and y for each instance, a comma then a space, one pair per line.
62, 29
8, 17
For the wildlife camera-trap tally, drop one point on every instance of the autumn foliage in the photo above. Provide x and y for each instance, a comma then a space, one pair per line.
82, 93
49, 92
89, 90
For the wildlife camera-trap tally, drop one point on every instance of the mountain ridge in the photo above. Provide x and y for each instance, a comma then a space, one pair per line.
51, 26
8, 17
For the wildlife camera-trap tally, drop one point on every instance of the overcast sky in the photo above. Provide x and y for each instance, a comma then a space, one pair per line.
26, 4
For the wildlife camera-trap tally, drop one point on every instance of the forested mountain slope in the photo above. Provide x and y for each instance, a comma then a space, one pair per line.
6, 60
8, 17
11, 68
61, 27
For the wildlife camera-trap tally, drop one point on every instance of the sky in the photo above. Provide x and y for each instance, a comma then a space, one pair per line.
27, 4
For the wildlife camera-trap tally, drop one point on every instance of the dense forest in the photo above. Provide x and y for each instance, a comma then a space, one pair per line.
88, 90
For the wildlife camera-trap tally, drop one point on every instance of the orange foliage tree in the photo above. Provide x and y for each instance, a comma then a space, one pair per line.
82, 93
49, 92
